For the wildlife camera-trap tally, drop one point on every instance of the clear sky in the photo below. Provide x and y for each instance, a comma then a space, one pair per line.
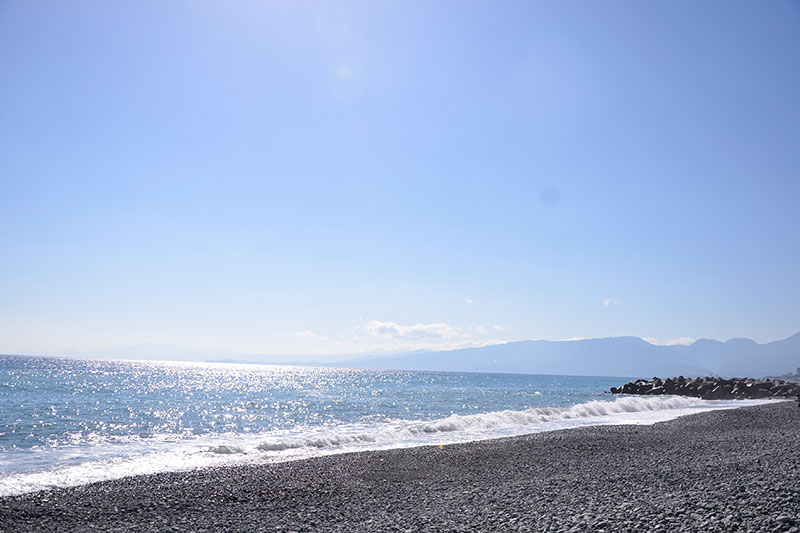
294, 178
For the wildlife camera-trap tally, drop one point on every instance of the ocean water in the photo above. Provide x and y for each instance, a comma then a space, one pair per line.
66, 422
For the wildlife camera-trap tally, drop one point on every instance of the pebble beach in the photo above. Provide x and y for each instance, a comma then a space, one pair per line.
728, 470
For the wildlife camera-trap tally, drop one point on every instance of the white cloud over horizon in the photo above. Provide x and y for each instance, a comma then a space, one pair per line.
344, 73
393, 348
393, 330
386, 338
681, 341
308, 334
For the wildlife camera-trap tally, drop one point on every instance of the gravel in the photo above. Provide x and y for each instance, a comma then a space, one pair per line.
732, 470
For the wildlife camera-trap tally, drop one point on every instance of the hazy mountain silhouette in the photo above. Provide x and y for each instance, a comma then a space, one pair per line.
613, 356
744, 357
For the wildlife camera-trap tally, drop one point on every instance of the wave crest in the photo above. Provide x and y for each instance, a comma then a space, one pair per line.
329, 440
481, 424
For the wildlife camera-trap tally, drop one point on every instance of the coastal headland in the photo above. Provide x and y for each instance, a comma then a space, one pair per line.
727, 470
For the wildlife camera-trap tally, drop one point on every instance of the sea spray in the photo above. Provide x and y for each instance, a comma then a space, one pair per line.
70, 422
255, 449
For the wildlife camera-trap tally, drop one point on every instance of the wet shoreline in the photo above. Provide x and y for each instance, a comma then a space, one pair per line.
714, 471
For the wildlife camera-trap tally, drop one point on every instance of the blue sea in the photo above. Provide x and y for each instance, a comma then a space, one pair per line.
67, 422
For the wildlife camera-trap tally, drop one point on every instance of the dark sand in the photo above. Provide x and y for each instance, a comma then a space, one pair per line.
720, 471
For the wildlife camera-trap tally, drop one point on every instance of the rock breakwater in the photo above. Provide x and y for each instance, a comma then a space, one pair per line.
713, 388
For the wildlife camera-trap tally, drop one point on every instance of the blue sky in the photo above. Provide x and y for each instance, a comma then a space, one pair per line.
294, 178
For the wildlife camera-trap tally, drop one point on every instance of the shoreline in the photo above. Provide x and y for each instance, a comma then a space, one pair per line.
470, 428
719, 470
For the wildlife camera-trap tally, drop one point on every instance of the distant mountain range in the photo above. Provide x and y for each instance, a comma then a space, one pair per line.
613, 356
744, 357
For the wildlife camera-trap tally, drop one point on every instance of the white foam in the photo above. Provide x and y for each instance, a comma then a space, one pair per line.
316, 441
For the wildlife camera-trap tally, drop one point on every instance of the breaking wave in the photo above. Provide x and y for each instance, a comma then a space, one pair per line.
326, 440
484, 424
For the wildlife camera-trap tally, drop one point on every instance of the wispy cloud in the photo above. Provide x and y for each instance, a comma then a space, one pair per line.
608, 301
308, 334
682, 341
393, 330
469, 301
387, 337
344, 73
399, 347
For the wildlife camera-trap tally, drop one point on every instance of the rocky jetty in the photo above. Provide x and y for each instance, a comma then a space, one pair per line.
711, 388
